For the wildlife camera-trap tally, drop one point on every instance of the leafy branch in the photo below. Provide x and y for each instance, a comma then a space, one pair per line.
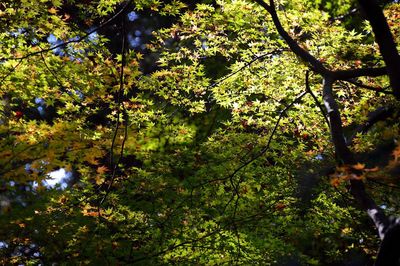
315, 64
74, 40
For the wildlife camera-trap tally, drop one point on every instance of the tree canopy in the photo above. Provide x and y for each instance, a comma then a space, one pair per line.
228, 132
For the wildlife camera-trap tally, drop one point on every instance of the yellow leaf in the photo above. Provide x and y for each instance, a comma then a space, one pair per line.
99, 180
68, 168
22, 225
346, 230
52, 10
91, 158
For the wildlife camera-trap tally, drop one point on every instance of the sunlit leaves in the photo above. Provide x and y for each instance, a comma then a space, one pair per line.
209, 159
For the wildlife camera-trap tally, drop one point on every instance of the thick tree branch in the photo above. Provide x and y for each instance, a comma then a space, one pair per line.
385, 40
388, 254
359, 72
314, 63
343, 153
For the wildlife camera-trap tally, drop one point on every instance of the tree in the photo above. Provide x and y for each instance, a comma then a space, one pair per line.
222, 153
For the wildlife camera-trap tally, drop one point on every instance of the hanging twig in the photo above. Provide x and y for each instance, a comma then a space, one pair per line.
113, 165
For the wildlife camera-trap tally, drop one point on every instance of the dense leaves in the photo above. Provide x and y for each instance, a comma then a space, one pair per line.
223, 153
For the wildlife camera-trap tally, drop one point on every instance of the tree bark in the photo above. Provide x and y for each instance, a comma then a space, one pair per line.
389, 231
384, 38
345, 156
389, 251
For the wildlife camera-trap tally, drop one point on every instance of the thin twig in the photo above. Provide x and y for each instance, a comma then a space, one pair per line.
257, 58
114, 166
52, 72
372, 88
86, 35
344, 16
316, 100
264, 150
383, 184
10, 72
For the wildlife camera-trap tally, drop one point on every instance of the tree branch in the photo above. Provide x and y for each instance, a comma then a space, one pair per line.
376, 89
344, 16
86, 35
357, 188
342, 151
388, 254
316, 100
255, 59
359, 72
114, 165
385, 40
344, 155
380, 114
314, 63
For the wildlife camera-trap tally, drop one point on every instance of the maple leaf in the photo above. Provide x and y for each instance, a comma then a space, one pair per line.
358, 166
91, 157
22, 225
99, 180
357, 177
280, 206
52, 10
335, 182
90, 213
102, 169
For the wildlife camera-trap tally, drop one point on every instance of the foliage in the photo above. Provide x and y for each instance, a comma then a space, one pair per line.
220, 156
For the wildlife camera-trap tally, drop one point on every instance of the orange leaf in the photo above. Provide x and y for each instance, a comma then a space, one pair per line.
102, 169
358, 166
90, 213
280, 206
335, 182
396, 153
99, 180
